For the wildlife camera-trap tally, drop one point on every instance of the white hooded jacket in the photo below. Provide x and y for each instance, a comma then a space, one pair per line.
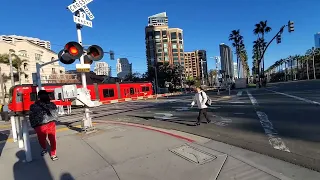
201, 102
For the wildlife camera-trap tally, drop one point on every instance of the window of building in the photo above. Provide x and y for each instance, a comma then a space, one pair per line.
174, 50
37, 56
181, 42
53, 70
166, 58
159, 50
181, 46
180, 35
108, 93
159, 54
164, 33
165, 50
165, 45
175, 54
173, 41
165, 40
174, 46
181, 54
158, 40
175, 58
173, 35
23, 53
157, 34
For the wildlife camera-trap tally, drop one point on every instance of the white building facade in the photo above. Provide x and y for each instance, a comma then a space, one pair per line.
30, 53
102, 68
124, 68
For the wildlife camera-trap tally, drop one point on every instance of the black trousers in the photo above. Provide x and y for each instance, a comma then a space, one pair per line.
202, 112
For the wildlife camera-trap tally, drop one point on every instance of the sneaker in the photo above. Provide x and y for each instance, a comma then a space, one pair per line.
54, 158
44, 152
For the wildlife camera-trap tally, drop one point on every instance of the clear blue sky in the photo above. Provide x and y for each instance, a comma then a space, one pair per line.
119, 24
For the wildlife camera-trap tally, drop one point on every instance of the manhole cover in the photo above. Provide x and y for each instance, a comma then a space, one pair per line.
193, 155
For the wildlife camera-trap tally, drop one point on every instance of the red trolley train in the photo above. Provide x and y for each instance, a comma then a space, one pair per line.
22, 96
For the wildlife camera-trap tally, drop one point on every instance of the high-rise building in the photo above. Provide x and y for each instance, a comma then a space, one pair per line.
196, 65
124, 68
317, 40
102, 68
226, 61
15, 38
163, 44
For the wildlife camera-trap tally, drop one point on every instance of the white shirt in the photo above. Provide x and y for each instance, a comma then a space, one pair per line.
200, 100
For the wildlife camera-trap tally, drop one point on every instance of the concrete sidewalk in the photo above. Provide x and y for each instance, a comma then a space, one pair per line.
135, 152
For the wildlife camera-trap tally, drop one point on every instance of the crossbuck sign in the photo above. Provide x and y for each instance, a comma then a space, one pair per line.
81, 19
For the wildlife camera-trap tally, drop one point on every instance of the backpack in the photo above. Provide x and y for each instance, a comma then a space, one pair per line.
209, 101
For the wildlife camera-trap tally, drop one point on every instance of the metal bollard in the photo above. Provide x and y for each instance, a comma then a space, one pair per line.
14, 129
19, 132
26, 138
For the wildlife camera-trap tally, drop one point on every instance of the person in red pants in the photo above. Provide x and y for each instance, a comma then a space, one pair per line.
42, 116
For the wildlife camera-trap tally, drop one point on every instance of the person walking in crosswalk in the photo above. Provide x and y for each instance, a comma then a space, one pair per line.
201, 99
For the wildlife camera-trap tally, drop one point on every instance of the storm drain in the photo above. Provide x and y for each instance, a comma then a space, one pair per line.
192, 154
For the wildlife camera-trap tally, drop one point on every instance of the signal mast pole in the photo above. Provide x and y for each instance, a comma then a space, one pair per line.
87, 121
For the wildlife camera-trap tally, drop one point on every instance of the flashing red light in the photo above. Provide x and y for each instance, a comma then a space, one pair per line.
73, 50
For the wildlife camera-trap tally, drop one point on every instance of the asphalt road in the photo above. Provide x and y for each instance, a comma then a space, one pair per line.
280, 121
262, 120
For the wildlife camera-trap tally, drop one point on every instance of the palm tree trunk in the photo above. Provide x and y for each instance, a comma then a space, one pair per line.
308, 69
19, 73
2, 88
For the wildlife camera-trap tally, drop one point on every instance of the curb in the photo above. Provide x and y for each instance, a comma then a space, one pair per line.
150, 128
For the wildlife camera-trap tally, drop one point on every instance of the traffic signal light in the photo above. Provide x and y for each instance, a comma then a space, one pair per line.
71, 52
291, 26
278, 38
111, 55
94, 53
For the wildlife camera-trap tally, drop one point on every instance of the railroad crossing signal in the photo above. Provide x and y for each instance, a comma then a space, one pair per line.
73, 50
81, 10
291, 26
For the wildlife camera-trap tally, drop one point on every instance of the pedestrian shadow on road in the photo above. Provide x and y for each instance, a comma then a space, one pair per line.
4, 135
69, 125
36, 170
177, 121
67, 176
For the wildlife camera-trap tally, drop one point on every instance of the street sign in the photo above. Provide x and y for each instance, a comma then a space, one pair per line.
81, 21
78, 5
83, 67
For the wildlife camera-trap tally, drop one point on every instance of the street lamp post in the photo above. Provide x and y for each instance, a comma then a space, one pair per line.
202, 74
314, 68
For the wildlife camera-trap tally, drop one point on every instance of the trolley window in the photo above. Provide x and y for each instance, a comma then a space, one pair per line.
108, 93
10, 94
19, 97
33, 96
131, 91
145, 89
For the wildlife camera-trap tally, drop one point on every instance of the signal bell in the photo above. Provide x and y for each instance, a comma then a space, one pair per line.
71, 52
94, 53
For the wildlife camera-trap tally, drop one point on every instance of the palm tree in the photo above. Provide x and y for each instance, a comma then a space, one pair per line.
261, 29
237, 41
17, 63
244, 59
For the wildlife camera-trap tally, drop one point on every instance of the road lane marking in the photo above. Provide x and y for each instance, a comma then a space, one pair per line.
239, 93
295, 97
164, 116
272, 134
